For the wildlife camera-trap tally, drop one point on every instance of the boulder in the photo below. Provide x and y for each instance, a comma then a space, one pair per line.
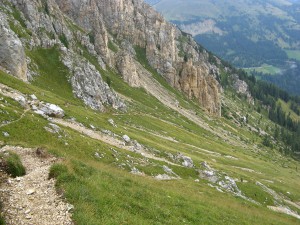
186, 161
21, 99
126, 138
52, 110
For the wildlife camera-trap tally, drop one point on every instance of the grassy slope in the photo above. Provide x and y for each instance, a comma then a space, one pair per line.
265, 68
103, 193
293, 54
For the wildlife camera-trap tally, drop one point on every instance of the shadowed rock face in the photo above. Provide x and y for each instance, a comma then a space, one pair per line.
167, 49
12, 55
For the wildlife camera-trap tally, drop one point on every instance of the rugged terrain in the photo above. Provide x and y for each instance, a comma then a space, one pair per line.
261, 36
133, 115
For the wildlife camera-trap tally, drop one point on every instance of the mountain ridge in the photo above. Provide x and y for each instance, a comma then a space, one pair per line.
148, 127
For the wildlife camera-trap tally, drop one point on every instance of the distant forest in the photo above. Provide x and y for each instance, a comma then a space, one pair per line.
289, 80
267, 95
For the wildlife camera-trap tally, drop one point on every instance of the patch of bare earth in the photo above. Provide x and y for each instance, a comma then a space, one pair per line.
32, 199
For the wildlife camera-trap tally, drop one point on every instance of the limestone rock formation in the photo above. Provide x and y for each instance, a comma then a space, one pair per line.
197, 81
88, 84
167, 49
12, 55
126, 65
242, 87
95, 27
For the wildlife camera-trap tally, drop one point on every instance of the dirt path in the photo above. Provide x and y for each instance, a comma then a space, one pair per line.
17, 120
32, 199
107, 139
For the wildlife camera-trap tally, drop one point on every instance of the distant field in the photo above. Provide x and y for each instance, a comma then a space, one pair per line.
265, 68
293, 54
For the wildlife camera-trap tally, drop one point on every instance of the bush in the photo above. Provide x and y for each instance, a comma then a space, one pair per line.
12, 164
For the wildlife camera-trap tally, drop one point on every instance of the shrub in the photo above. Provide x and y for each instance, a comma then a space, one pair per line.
12, 165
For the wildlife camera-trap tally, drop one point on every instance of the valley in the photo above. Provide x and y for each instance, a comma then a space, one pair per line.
248, 34
127, 120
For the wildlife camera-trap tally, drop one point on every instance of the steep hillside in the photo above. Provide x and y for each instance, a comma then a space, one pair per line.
134, 123
262, 36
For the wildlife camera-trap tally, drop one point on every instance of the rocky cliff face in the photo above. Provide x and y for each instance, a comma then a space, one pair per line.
12, 55
173, 55
125, 24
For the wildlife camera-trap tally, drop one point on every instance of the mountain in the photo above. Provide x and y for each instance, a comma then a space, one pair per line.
109, 114
257, 35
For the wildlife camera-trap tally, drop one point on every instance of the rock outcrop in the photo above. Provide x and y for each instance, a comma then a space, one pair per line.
242, 87
88, 84
97, 26
12, 55
48, 28
174, 55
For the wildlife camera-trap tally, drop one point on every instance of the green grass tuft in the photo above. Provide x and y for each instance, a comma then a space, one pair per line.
13, 165
56, 170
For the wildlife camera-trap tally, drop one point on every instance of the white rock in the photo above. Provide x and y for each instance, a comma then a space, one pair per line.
136, 171
33, 97
164, 177
112, 122
30, 191
167, 169
188, 162
21, 99
52, 110
5, 134
126, 138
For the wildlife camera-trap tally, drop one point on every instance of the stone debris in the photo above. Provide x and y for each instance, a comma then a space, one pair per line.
21, 99
32, 199
284, 209
99, 155
167, 170
136, 171
185, 160
165, 177
137, 146
52, 128
112, 122
229, 185
221, 182
33, 97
